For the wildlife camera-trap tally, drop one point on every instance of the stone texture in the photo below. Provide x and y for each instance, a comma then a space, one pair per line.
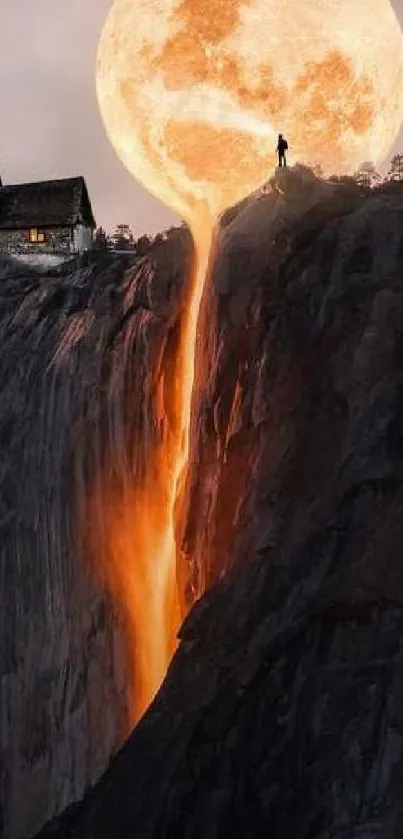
282, 713
71, 340
59, 240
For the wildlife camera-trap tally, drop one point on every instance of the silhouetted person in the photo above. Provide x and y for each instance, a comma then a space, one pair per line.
281, 150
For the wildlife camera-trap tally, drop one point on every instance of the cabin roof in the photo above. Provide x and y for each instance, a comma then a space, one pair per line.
59, 203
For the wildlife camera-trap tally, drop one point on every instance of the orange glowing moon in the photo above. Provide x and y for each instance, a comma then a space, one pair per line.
193, 93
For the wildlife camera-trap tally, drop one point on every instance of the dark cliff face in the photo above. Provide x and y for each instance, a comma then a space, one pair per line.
77, 346
282, 712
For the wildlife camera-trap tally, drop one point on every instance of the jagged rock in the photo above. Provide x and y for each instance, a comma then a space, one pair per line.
282, 714
76, 393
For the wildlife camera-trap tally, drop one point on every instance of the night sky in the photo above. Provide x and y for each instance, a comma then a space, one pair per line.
49, 121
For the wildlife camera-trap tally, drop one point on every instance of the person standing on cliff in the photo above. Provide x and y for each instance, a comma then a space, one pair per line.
282, 147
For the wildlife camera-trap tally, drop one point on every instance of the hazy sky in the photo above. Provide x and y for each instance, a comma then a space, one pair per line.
49, 121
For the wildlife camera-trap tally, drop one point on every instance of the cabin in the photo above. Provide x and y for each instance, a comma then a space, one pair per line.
52, 218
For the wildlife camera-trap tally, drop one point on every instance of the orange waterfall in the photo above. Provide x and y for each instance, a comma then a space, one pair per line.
138, 555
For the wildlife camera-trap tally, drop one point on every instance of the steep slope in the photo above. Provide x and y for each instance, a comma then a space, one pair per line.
281, 714
82, 352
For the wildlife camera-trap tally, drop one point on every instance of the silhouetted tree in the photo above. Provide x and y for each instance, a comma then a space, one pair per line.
317, 170
367, 175
342, 180
396, 168
123, 238
159, 239
143, 245
101, 240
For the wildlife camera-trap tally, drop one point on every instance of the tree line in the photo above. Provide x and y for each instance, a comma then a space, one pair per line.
123, 239
368, 176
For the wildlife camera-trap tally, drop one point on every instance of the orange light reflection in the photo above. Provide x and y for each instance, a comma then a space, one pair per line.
134, 550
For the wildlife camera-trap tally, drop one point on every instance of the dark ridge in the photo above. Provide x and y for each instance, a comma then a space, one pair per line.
281, 714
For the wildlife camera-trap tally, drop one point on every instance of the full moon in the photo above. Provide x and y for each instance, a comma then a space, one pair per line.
193, 93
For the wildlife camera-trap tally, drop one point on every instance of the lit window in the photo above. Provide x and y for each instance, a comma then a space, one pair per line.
36, 236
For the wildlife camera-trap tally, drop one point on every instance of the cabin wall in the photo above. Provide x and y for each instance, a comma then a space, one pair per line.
59, 240
82, 238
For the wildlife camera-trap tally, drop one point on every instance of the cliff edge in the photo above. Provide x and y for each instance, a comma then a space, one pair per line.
82, 351
281, 713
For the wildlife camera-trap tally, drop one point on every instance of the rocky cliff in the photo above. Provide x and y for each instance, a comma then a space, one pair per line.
281, 714
81, 352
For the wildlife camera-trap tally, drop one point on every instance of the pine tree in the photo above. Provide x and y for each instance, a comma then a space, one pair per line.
100, 239
143, 245
123, 238
367, 175
317, 170
396, 168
